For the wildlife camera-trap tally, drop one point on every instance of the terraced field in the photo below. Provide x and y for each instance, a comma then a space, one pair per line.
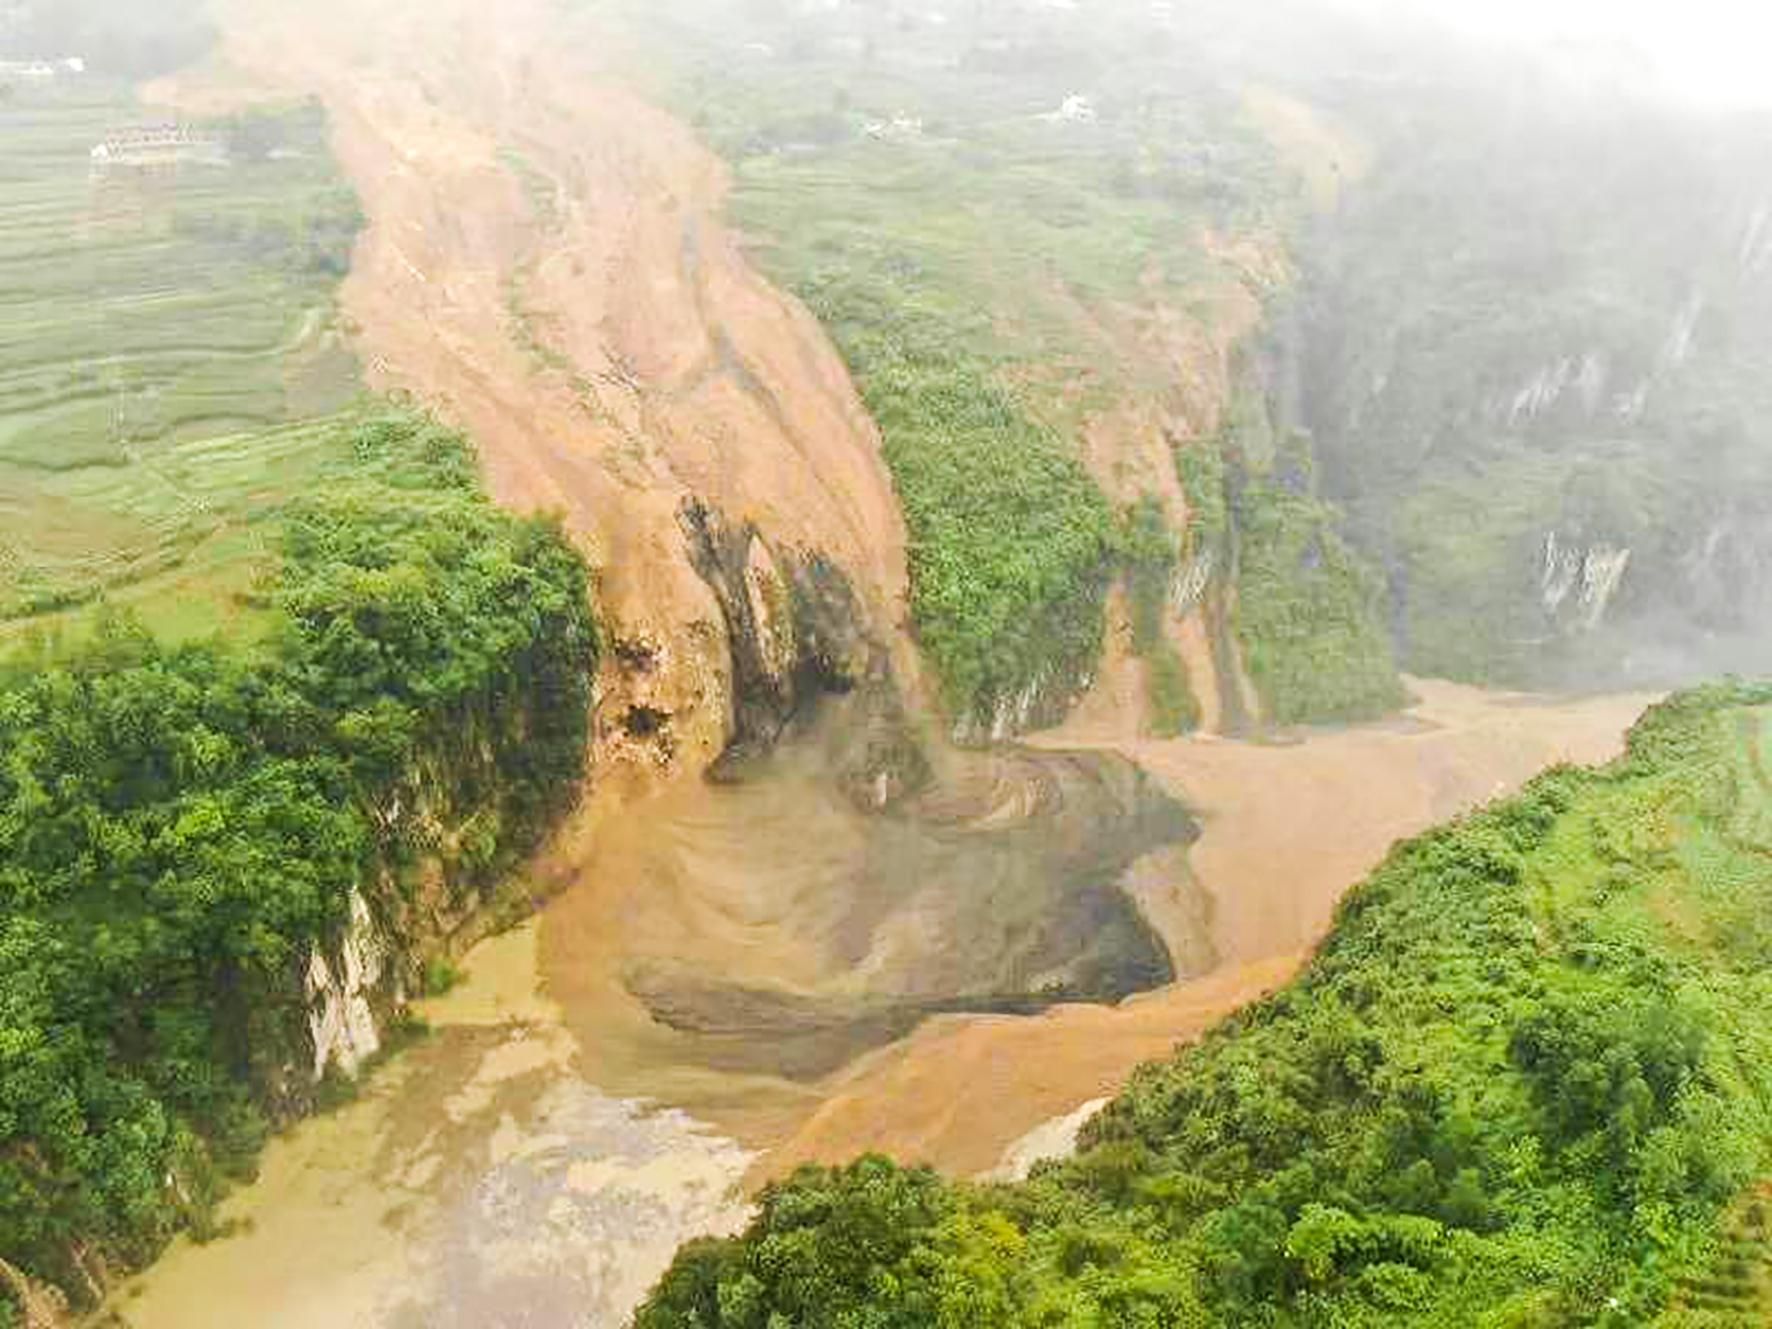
1736, 1292
163, 331
177, 537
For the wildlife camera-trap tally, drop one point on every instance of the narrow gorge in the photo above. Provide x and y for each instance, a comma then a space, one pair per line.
979, 540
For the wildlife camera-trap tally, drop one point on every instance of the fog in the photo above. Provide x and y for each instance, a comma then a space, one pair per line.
1711, 52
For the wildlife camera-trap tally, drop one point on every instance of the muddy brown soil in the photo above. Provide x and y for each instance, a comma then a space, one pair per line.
544, 264
1287, 827
735, 943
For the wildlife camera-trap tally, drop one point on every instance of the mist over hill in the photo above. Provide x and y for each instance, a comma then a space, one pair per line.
117, 38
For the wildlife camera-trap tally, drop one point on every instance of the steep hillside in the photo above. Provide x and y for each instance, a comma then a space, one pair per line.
1520, 331
222, 870
1037, 237
1523, 1081
1533, 352
545, 265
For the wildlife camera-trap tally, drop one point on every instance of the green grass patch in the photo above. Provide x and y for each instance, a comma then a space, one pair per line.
162, 532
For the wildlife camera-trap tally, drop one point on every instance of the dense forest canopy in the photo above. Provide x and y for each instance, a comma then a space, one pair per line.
1523, 1082
181, 828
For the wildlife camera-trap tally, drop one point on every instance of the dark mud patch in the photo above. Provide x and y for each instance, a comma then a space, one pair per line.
998, 889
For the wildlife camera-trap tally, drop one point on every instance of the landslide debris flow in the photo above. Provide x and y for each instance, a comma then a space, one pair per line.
773, 927
544, 264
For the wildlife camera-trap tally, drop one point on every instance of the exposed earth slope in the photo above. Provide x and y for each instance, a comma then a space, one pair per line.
547, 263
544, 263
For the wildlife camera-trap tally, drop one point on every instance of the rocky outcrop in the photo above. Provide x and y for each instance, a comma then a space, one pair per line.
796, 632
1043, 700
1579, 581
345, 991
792, 624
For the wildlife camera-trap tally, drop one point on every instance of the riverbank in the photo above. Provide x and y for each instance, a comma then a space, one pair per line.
489, 1175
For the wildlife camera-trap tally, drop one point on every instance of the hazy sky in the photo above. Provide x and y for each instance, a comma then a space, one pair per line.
1716, 51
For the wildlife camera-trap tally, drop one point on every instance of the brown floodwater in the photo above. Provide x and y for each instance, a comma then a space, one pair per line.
480, 1180
732, 944
739, 978
1286, 827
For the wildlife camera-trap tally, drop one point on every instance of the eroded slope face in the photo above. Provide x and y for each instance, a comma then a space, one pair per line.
543, 263
1042, 236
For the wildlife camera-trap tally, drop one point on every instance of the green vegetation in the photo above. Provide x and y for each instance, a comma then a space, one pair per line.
1151, 553
182, 825
1202, 471
973, 254
165, 334
1010, 540
1550, 320
1523, 1082
262, 651
178, 542
1308, 611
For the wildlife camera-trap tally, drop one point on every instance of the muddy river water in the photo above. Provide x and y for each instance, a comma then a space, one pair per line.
582, 1105
733, 979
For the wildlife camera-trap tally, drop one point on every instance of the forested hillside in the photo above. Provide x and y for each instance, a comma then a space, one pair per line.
183, 828
1524, 1081
1518, 328
1533, 349
1035, 233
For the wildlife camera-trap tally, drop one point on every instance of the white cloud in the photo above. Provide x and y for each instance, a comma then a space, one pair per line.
1718, 52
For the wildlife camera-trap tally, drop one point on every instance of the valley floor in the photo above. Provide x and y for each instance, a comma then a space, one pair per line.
549, 272
491, 1167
